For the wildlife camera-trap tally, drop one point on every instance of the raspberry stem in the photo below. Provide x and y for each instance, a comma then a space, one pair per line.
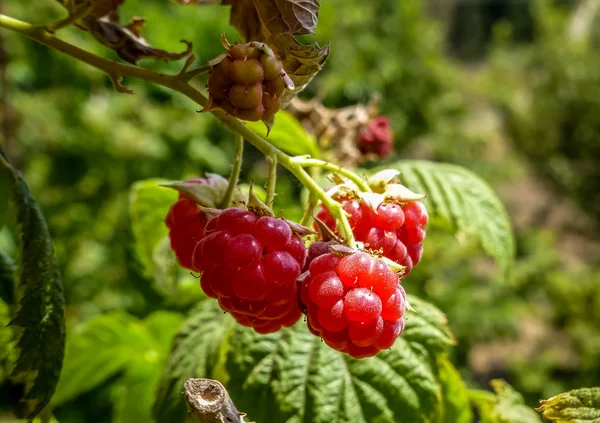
178, 82
308, 161
236, 167
271, 180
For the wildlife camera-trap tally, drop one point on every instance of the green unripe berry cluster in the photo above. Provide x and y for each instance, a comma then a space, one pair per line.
248, 83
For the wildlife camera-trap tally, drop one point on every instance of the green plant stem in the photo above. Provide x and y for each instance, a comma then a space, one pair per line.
307, 161
238, 153
180, 84
271, 181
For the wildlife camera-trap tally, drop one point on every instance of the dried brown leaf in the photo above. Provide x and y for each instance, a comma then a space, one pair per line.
301, 62
294, 17
126, 40
103, 24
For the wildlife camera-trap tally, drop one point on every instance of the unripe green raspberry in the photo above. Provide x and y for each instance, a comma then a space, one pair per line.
274, 87
245, 96
271, 66
252, 115
247, 82
272, 105
247, 72
243, 52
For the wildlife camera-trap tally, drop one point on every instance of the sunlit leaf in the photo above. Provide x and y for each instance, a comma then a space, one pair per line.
577, 406
118, 343
462, 201
149, 204
506, 406
456, 407
288, 135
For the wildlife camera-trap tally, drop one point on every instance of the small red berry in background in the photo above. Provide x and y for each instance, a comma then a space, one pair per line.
376, 137
395, 229
250, 264
186, 226
355, 303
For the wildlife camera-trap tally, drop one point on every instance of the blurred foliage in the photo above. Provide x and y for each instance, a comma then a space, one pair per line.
531, 108
551, 93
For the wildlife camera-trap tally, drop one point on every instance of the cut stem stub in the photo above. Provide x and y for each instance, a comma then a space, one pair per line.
210, 402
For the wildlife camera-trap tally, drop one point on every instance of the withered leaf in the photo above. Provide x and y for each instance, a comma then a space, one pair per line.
301, 62
255, 17
244, 17
103, 24
126, 40
294, 17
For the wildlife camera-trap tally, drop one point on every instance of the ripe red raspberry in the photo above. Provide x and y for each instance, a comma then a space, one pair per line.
395, 229
354, 303
186, 227
250, 264
376, 137
316, 249
248, 82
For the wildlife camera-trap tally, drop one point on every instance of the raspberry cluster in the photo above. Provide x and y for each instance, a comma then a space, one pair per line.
250, 264
355, 303
395, 229
248, 82
376, 137
186, 227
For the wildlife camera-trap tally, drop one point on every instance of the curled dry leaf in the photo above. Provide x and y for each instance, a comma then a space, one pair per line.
301, 62
126, 40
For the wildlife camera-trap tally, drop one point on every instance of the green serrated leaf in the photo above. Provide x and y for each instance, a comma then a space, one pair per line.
134, 393
465, 202
507, 406
8, 355
40, 314
119, 343
195, 353
455, 406
7, 278
97, 350
291, 376
149, 204
288, 134
577, 406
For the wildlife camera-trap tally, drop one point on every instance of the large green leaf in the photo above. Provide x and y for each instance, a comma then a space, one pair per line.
114, 343
292, 376
96, 350
40, 313
460, 199
195, 353
149, 204
288, 134
506, 406
577, 406
456, 407
7, 278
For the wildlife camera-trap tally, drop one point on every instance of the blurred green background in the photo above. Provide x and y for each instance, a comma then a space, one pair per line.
508, 89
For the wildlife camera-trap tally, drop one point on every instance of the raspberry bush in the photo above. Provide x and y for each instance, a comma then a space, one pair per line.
301, 324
